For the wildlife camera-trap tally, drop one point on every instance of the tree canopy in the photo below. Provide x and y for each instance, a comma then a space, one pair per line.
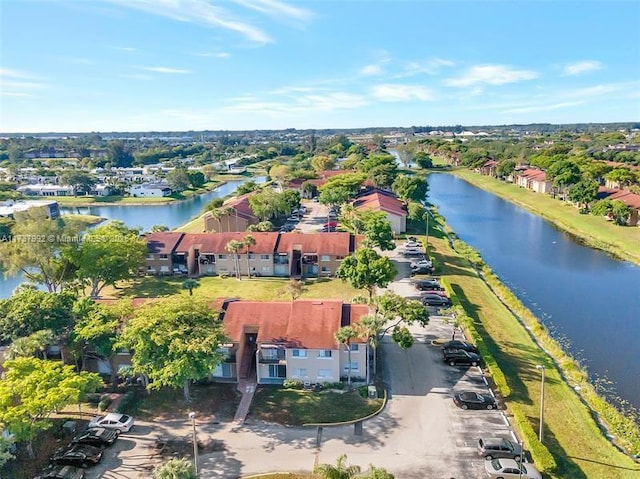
175, 341
367, 270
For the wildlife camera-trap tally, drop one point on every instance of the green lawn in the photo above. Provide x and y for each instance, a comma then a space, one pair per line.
259, 289
595, 231
296, 407
572, 436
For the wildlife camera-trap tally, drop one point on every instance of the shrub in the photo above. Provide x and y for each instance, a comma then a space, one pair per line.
539, 452
129, 402
93, 399
104, 403
292, 384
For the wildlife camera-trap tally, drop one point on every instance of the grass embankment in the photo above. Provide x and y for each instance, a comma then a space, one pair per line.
87, 220
572, 436
257, 289
620, 241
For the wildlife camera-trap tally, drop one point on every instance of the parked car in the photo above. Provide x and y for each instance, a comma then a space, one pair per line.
293, 219
327, 230
474, 400
118, 422
429, 287
433, 299
79, 455
421, 270
506, 468
61, 472
459, 356
97, 436
411, 244
422, 263
330, 224
497, 447
412, 251
458, 344
426, 281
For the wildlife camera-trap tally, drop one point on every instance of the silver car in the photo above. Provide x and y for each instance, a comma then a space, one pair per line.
497, 447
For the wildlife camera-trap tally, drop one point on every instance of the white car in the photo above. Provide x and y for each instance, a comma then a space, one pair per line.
506, 468
412, 251
423, 263
115, 421
412, 244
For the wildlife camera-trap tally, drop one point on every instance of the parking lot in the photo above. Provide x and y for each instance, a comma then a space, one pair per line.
420, 434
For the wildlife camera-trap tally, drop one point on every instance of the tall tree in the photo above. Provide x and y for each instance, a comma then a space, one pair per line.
98, 327
234, 248
35, 249
178, 179
411, 188
367, 270
110, 253
322, 163
377, 230
175, 341
423, 160
196, 178
118, 155
34, 388
82, 182
30, 311
583, 193
369, 327
248, 241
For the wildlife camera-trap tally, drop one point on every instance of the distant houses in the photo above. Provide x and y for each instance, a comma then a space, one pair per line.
150, 190
46, 190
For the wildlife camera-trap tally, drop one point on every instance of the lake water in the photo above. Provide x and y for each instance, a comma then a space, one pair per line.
171, 215
581, 294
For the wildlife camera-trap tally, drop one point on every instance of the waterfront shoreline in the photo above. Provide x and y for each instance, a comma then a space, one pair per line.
592, 240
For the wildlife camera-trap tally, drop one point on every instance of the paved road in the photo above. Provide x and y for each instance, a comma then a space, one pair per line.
421, 434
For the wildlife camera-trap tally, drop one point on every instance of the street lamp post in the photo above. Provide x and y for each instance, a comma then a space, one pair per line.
427, 234
192, 416
541, 433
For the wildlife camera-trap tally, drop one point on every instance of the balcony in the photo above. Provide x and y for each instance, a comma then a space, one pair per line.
271, 355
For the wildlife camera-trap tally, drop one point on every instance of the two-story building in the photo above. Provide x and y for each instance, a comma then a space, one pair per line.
234, 215
534, 180
291, 340
388, 203
298, 255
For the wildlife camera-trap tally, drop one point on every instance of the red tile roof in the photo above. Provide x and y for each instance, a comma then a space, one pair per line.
339, 244
629, 199
162, 242
241, 205
217, 242
380, 202
534, 174
299, 324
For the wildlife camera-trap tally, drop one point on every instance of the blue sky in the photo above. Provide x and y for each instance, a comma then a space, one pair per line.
144, 65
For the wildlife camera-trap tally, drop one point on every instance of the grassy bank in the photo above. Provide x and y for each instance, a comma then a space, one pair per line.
579, 447
87, 220
593, 231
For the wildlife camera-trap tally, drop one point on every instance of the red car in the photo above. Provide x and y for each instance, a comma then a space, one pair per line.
331, 224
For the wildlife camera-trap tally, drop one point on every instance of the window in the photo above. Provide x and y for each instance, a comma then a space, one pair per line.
264, 256
355, 347
299, 353
325, 257
351, 366
300, 373
339, 257
324, 374
150, 257
326, 353
252, 256
325, 269
223, 370
277, 371
265, 269
164, 256
269, 353
222, 256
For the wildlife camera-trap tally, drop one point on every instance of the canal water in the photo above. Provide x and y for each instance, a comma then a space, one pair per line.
583, 296
171, 215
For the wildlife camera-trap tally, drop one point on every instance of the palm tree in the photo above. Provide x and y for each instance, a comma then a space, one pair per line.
344, 336
369, 327
175, 469
190, 284
339, 471
217, 213
248, 241
234, 247
230, 210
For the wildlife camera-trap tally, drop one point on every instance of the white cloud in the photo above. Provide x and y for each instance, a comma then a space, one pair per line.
491, 75
276, 9
374, 69
581, 67
18, 83
168, 70
126, 49
200, 12
213, 55
429, 67
548, 107
395, 92
9, 73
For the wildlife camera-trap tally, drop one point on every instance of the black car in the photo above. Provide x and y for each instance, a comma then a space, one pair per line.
61, 472
80, 455
421, 270
434, 299
427, 286
474, 400
460, 356
458, 344
96, 436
